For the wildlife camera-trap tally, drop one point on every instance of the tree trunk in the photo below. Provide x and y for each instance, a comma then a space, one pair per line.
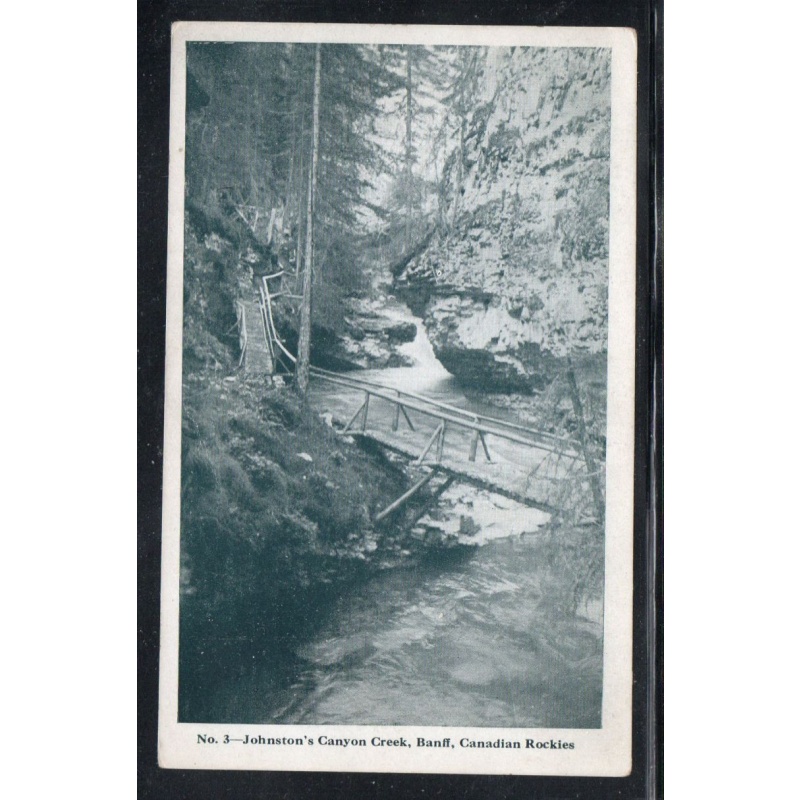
288, 202
304, 343
301, 184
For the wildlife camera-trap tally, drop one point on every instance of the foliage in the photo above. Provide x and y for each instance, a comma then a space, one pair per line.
248, 150
271, 499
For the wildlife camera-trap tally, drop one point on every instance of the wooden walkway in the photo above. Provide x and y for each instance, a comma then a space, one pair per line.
529, 466
254, 345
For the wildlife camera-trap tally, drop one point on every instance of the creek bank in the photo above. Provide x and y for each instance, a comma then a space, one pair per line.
276, 521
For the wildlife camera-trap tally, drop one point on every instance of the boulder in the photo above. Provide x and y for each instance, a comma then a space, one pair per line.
401, 333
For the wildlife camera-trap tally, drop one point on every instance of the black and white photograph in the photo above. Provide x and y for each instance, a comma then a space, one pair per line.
399, 400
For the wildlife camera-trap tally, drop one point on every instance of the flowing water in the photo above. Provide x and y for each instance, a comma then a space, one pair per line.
471, 641
473, 637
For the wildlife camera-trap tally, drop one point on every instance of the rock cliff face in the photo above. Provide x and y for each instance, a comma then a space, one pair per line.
516, 277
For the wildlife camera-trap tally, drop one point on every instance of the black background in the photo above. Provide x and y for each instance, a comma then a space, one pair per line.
155, 19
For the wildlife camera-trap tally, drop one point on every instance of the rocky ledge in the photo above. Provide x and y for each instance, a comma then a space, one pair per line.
373, 335
367, 336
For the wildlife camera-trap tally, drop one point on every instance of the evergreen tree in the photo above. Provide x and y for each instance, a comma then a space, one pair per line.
424, 72
249, 149
352, 83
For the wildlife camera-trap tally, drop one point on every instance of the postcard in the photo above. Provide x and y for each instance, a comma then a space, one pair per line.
399, 411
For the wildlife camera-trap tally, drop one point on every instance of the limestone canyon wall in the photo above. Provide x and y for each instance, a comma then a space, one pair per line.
516, 277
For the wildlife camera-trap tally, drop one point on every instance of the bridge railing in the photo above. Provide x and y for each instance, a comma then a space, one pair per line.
271, 332
480, 424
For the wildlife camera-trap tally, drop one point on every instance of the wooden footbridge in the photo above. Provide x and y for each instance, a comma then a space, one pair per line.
531, 466
527, 465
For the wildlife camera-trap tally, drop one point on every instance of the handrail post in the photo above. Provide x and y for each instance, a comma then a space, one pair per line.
473, 446
485, 448
366, 411
440, 446
353, 418
430, 444
396, 420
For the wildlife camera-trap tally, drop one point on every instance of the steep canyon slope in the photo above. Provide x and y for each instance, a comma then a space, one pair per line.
516, 277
